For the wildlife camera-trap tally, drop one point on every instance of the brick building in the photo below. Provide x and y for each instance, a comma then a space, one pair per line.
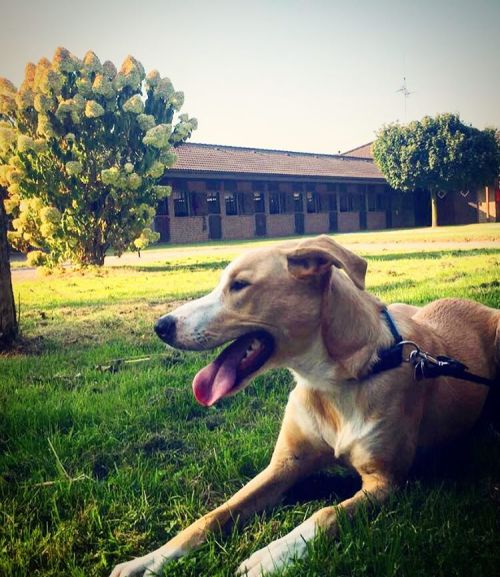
227, 192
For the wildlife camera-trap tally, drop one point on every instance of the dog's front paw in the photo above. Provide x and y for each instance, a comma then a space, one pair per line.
147, 566
275, 556
279, 553
129, 568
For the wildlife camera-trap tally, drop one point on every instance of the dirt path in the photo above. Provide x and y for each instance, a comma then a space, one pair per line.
178, 252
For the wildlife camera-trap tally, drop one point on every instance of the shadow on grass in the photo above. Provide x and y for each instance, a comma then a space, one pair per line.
221, 264
188, 267
432, 255
472, 459
334, 486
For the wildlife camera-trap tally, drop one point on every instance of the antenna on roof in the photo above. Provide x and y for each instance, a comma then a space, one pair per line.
405, 92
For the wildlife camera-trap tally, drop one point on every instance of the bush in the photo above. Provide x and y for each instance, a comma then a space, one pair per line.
82, 149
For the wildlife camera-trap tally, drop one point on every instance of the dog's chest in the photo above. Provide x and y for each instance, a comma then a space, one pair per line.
340, 423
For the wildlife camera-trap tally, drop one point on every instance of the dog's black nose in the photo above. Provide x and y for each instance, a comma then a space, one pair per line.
165, 328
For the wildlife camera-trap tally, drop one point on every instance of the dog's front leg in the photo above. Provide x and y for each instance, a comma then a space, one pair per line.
293, 458
292, 546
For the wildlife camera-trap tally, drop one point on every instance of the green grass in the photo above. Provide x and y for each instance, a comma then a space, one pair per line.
98, 466
488, 232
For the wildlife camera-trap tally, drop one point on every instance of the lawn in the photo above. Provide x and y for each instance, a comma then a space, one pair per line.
102, 461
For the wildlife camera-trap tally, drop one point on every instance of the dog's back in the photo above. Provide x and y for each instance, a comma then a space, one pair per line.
470, 332
466, 331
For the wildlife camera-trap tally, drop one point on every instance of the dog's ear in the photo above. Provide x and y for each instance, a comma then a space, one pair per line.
314, 257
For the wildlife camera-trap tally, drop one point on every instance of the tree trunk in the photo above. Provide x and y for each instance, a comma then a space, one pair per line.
92, 257
434, 208
93, 250
8, 320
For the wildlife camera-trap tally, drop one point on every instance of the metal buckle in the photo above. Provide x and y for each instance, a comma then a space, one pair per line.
412, 354
417, 354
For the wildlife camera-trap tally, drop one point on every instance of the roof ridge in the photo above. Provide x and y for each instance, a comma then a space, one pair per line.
358, 147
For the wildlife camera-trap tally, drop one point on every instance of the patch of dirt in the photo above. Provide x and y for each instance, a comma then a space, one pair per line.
32, 346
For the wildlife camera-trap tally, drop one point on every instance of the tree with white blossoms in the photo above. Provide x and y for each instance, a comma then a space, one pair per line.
82, 149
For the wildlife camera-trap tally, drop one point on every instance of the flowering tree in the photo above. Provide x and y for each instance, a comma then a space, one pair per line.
82, 149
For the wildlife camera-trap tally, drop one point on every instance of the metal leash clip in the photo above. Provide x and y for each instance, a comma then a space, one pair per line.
416, 352
427, 366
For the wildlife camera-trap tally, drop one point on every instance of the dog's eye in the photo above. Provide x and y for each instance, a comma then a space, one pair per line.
238, 285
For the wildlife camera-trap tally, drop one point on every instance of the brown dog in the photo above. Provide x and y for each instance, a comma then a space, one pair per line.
291, 306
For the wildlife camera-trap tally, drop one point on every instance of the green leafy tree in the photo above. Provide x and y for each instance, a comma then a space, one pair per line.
82, 149
437, 155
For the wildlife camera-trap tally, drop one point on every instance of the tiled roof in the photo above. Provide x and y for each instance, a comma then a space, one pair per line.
212, 158
364, 151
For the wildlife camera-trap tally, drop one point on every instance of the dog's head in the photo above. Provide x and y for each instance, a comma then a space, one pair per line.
268, 304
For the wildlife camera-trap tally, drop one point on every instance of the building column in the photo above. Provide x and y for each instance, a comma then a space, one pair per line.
222, 199
267, 199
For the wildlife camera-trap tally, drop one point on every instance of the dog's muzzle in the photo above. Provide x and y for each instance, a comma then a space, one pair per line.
165, 328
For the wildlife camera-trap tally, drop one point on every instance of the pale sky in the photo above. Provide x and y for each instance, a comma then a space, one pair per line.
314, 76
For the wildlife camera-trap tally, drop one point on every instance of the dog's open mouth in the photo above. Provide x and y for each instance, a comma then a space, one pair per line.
225, 374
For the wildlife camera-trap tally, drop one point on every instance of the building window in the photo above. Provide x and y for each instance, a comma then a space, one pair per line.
298, 204
351, 202
312, 202
345, 205
213, 202
277, 202
181, 204
372, 201
258, 201
274, 202
231, 204
356, 202
245, 202
198, 203
331, 196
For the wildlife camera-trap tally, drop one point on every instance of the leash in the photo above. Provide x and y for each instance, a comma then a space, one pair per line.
425, 365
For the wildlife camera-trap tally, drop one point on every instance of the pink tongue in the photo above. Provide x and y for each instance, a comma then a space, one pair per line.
218, 378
